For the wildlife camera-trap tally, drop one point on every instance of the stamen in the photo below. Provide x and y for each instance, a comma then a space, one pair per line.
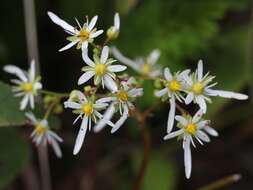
123, 96
27, 87
87, 108
100, 69
146, 68
191, 128
174, 85
84, 34
40, 129
197, 88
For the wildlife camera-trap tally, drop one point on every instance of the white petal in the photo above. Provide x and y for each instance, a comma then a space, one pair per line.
110, 84
116, 68
104, 54
173, 134
201, 102
73, 105
84, 45
96, 34
122, 119
181, 119
92, 23
37, 85
16, 71
211, 131
203, 136
82, 98
189, 98
81, 135
31, 116
55, 136
68, 46
106, 100
161, 92
200, 70
116, 21
61, 22
24, 102
100, 105
187, 158
32, 71
167, 74
31, 97
154, 56
85, 77
135, 92
86, 58
197, 116
56, 148
171, 116
107, 117
227, 94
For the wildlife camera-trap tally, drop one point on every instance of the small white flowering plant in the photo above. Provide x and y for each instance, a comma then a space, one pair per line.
105, 93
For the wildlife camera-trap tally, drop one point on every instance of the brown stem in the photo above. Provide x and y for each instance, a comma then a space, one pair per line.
141, 118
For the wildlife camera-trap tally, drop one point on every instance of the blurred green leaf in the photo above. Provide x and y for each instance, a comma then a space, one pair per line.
9, 107
14, 155
160, 173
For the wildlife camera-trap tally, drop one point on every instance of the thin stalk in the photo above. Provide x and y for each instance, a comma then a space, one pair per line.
222, 182
58, 94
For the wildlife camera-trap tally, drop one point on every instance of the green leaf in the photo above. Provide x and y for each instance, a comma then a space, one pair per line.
10, 115
160, 173
14, 155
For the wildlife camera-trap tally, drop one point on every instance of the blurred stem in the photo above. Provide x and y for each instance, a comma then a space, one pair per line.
50, 109
141, 118
47, 92
222, 182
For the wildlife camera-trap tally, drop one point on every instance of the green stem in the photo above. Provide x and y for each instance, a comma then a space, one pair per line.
50, 108
58, 94
221, 182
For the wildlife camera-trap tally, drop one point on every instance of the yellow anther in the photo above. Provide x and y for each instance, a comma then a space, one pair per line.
27, 87
40, 129
123, 96
197, 88
174, 85
87, 109
191, 128
84, 34
100, 69
146, 68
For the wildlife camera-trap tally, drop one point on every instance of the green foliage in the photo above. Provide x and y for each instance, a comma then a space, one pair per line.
14, 155
9, 107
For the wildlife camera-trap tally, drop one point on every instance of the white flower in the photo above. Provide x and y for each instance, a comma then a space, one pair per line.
113, 31
82, 36
191, 128
174, 87
122, 100
27, 85
145, 66
86, 109
199, 89
101, 69
42, 134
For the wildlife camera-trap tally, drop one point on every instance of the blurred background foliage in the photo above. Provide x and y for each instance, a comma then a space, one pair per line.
217, 31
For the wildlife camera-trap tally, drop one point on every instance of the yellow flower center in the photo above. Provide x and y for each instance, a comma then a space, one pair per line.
100, 69
40, 129
174, 85
27, 87
191, 128
197, 88
123, 96
87, 109
146, 68
84, 34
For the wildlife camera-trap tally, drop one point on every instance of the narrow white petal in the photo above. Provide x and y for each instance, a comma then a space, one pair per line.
107, 117
227, 94
110, 83
32, 71
200, 70
85, 77
81, 96
106, 100
197, 116
84, 45
171, 116
96, 34
189, 98
154, 56
100, 105
181, 119
73, 105
184, 74
37, 85
16, 71
31, 97
61, 22
173, 134
24, 102
201, 102
92, 23
86, 58
116, 21
211, 131
203, 136
68, 46
116, 68
56, 148
31, 116
81, 136
135, 92
162, 92
122, 119
55, 136
187, 158
167, 74
104, 54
